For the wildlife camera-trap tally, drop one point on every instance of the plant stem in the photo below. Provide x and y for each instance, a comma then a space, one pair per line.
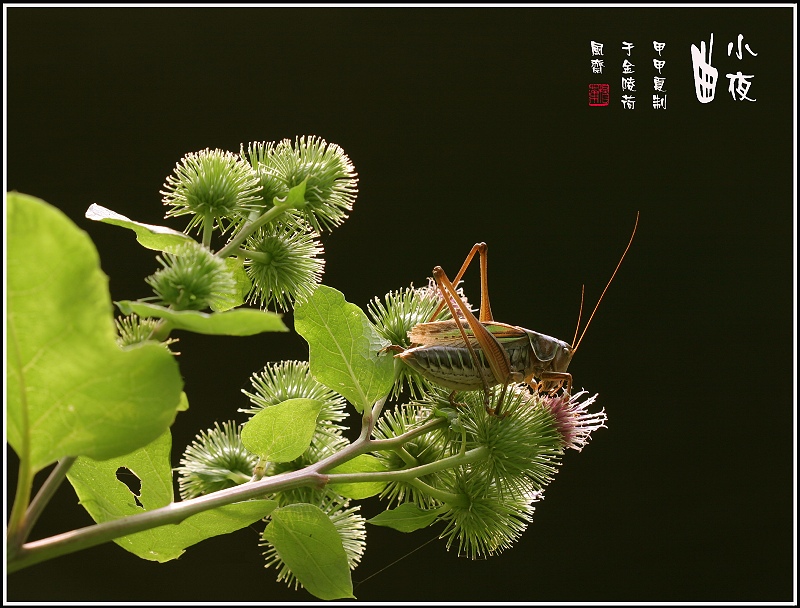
364, 444
22, 496
21, 556
250, 227
83, 538
16, 525
208, 230
446, 497
257, 256
407, 458
258, 470
394, 442
44, 495
413, 472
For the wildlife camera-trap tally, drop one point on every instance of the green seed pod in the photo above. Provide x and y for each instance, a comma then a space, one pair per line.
283, 265
132, 330
490, 521
193, 279
215, 460
331, 180
279, 382
216, 187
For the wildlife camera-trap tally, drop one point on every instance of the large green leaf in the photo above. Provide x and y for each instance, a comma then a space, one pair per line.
150, 236
308, 543
282, 432
104, 494
344, 348
71, 389
238, 322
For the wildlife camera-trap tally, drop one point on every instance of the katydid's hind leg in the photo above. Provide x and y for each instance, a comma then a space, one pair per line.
494, 354
495, 411
514, 377
448, 291
486, 311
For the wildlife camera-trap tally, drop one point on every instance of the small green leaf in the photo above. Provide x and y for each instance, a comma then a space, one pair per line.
150, 236
101, 488
344, 347
359, 490
406, 518
239, 322
243, 285
71, 389
452, 416
306, 540
282, 432
297, 195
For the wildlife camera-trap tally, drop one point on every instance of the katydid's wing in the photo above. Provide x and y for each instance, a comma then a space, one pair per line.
440, 333
445, 333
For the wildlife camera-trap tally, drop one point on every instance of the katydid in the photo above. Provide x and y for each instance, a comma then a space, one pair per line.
468, 353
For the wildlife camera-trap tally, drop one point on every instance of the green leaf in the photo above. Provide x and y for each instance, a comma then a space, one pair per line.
150, 236
282, 432
71, 389
306, 540
243, 284
343, 348
104, 494
239, 322
297, 195
359, 490
406, 518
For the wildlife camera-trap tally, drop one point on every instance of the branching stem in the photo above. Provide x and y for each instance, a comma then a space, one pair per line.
24, 555
233, 245
45, 493
22, 495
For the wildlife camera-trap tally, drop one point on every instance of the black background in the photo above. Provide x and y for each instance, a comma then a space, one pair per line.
471, 124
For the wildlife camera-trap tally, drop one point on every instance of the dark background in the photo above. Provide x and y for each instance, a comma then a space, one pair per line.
465, 125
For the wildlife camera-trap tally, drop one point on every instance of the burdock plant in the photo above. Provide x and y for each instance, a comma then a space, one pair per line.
91, 400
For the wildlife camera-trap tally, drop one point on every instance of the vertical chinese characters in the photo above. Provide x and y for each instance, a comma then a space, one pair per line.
628, 80
738, 83
660, 81
597, 61
598, 92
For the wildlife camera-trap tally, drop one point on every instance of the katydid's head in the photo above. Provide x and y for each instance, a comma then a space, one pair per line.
563, 357
576, 341
552, 354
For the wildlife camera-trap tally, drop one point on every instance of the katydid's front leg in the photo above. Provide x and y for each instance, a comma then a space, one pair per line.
559, 378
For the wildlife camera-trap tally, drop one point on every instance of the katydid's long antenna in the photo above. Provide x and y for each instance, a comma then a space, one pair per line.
613, 274
580, 312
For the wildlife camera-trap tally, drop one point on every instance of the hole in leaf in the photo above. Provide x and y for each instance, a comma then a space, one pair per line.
132, 482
